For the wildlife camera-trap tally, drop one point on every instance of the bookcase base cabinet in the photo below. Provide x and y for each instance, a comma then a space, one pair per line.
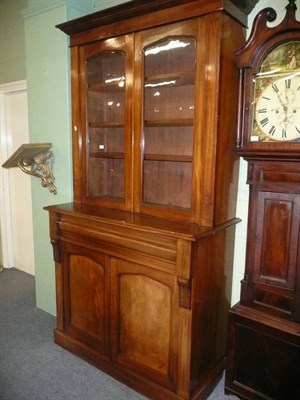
263, 361
143, 299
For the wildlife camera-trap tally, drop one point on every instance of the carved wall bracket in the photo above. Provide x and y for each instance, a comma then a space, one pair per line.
37, 160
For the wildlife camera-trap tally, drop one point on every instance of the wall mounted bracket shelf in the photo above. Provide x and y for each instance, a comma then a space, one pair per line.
37, 160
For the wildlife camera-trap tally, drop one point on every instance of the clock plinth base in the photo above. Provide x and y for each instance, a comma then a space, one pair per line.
263, 356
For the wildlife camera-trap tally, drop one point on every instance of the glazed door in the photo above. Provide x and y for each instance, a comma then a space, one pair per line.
166, 128
145, 321
85, 293
105, 121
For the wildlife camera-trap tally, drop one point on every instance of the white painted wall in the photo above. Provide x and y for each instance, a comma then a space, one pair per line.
15, 194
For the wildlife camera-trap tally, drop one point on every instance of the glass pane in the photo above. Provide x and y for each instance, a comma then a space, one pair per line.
106, 140
107, 177
169, 102
169, 95
175, 54
276, 111
105, 130
175, 141
167, 183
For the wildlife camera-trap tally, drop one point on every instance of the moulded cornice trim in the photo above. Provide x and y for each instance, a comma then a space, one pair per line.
50, 5
13, 86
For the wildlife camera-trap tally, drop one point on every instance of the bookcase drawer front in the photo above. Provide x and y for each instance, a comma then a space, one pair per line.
121, 241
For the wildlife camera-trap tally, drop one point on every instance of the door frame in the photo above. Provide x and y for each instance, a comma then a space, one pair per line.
5, 194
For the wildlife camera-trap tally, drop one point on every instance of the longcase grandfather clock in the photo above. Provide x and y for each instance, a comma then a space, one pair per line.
264, 329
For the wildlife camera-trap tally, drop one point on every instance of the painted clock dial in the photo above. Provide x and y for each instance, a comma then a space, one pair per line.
276, 111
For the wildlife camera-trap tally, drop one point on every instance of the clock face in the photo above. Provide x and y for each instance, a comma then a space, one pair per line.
276, 112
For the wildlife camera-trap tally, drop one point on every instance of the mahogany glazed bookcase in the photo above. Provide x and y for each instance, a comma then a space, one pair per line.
144, 253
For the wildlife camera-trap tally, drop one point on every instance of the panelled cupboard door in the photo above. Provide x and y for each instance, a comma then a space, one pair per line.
275, 255
105, 113
145, 321
85, 292
166, 150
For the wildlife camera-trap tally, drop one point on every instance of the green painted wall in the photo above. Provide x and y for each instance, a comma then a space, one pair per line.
12, 41
48, 81
102, 4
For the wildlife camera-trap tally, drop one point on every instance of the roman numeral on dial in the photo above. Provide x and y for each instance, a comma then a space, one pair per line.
264, 122
277, 109
272, 130
288, 83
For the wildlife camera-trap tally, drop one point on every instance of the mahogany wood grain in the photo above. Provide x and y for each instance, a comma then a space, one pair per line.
144, 254
159, 316
269, 349
145, 304
271, 281
263, 359
77, 133
140, 14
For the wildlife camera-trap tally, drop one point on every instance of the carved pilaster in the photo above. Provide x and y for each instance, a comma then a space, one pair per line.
56, 250
184, 290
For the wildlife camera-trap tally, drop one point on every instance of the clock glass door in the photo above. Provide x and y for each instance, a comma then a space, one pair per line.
277, 96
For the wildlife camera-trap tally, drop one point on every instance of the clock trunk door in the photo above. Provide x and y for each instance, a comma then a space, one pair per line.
275, 256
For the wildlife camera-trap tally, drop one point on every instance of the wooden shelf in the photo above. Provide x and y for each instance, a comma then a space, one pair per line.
95, 88
106, 124
168, 122
112, 155
182, 78
148, 157
168, 157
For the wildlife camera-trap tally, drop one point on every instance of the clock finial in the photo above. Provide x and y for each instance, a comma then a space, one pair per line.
291, 6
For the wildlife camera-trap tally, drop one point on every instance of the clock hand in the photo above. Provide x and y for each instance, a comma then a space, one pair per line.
285, 108
286, 97
276, 110
286, 119
280, 95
